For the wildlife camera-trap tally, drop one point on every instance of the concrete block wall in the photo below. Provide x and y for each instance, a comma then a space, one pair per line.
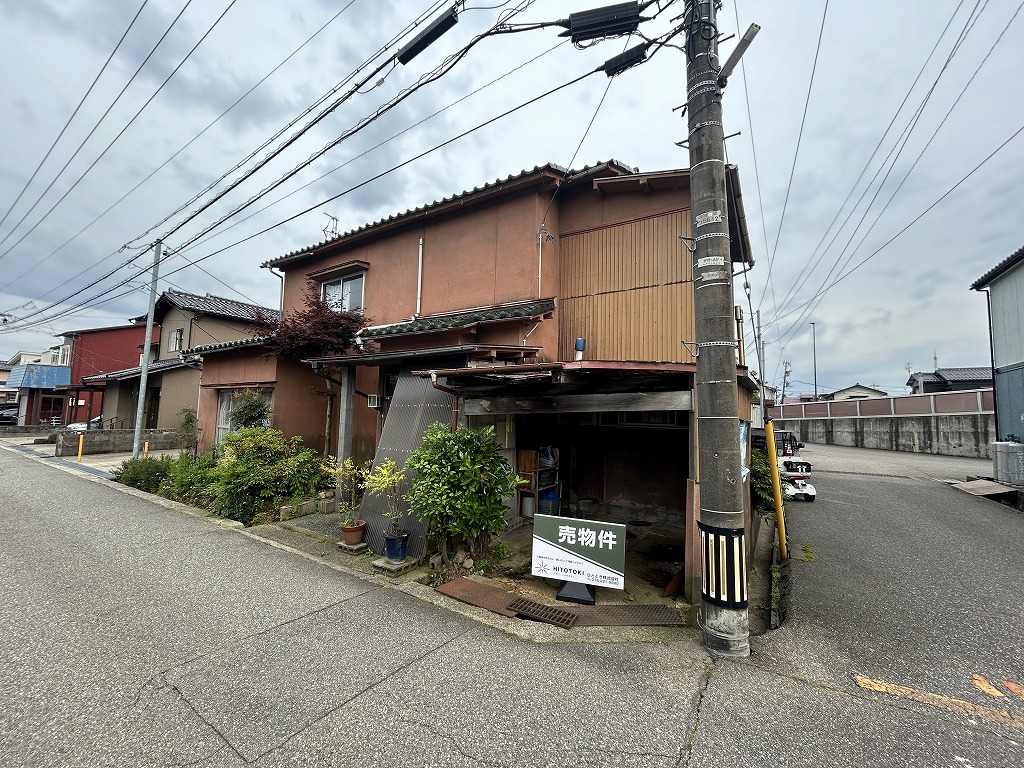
115, 441
969, 435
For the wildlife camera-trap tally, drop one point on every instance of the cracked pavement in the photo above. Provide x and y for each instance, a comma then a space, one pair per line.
132, 634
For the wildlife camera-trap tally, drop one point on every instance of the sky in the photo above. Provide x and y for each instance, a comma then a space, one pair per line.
880, 155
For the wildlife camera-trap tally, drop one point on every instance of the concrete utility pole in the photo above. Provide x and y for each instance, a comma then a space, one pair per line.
143, 379
723, 615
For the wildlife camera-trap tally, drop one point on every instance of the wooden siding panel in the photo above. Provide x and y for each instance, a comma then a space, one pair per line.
645, 324
626, 289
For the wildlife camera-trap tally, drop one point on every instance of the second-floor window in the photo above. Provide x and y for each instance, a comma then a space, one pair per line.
177, 339
345, 292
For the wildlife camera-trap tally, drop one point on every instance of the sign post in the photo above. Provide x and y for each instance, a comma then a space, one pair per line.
585, 553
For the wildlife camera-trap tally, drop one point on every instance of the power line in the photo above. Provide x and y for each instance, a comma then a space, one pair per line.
446, 66
106, 297
172, 157
95, 127
883, 208
660, 42
74, 113
126, 127
281, 131
809, 266
380, 144
799, 139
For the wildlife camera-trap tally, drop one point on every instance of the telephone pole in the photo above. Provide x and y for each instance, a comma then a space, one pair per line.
723, 615
140, 407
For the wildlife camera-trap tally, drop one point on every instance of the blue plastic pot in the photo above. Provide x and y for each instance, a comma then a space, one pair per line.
396, 548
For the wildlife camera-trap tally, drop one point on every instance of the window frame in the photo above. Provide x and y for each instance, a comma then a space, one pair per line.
340, 281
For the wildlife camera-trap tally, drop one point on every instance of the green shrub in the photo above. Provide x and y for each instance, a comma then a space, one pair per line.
191, 478
258, 470
762, 498
461, 479
250, 409
146, 474
188, 432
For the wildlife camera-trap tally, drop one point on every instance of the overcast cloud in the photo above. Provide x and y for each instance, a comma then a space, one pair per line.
896, 303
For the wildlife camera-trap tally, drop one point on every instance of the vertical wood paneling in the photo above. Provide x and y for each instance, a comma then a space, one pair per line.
627, 291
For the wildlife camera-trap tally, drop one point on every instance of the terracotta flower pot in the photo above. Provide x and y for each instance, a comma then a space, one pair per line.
353, 534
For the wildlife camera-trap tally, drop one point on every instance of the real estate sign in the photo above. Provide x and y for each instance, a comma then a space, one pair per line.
584, 551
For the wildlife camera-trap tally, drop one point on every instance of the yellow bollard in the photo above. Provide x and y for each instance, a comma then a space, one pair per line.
145, 449
81, 442
773, 465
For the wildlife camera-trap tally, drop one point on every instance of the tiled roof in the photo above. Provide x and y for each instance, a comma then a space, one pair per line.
950, 374
1003, 266
568, 175
217, 305
127, 373
253, 341
451, 320
964, 374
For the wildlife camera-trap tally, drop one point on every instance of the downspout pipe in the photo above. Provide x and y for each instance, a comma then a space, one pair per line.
453, 393
280, 299
419, 281
992, 357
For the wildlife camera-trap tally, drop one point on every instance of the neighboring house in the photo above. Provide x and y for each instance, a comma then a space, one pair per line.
949, 380
805, 397
856, 392
38, 401
172, 384
298, 397
7, 394
480, 302
92, 352
1004, 286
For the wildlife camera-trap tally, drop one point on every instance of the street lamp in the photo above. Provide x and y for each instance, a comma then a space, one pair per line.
814, 358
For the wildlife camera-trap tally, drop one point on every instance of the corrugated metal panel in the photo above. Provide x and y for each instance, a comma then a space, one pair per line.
628, 291
414, 407
32, 376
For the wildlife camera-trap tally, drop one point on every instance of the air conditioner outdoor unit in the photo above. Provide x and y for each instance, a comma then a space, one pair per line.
373, 401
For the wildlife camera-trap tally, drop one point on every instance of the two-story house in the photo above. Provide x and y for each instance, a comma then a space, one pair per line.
555, 305
172, 385
92, 352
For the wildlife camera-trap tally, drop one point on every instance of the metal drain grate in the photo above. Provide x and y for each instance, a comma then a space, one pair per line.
480, 595
546, 613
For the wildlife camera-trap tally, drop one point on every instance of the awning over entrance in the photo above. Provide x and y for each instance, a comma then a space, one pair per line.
575, 387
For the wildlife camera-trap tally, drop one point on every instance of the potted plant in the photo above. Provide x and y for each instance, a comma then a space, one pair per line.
351, 477
386, 481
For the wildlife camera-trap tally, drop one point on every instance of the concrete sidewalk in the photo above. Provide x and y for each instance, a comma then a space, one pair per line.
101, 464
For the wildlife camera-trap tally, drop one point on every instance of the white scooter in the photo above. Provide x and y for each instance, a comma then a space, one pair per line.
794, 472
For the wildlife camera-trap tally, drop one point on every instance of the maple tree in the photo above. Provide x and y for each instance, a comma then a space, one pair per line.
315, 330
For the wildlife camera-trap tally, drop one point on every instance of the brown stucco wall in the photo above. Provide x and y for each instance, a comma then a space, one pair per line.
179, 389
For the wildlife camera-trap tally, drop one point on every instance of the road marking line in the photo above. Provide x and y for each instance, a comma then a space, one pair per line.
1018, 689
982, 684
942, 702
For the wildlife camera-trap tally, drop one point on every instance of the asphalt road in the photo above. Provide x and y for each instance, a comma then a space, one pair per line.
132, 634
